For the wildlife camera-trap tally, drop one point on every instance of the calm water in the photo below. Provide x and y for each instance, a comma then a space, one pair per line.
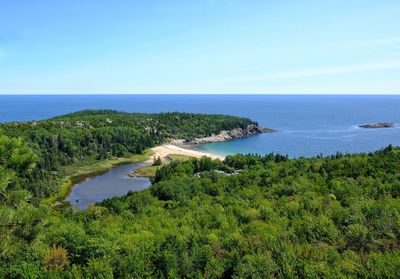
114, 183
308, 124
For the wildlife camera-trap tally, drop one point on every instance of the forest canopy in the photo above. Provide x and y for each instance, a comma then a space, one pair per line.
249, 216
100, 134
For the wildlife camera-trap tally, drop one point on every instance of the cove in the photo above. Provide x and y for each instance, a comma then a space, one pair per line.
114, 183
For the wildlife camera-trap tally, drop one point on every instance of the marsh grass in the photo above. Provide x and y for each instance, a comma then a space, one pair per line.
90, 167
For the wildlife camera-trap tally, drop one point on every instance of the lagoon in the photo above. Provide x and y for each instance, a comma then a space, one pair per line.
114, 183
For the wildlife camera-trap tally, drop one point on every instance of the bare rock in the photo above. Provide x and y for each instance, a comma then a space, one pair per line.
377, 125
250, 130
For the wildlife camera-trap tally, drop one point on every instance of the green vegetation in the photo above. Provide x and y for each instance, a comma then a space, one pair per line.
146, 171
150, 171
90, 167
179, 157
247, 217
71, 142
136, 158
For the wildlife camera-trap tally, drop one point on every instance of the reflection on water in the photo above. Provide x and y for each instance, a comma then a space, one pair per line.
114, 183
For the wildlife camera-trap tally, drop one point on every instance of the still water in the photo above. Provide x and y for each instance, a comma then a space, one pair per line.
113, 183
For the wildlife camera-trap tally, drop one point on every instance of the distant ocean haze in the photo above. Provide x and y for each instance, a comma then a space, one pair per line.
307, 125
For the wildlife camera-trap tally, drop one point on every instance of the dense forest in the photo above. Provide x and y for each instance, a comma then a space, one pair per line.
247, 217
101, 134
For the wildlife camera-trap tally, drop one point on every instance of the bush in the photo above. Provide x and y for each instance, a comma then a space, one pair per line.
56, 258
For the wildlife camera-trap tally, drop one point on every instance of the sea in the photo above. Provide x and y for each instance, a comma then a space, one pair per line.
308, 125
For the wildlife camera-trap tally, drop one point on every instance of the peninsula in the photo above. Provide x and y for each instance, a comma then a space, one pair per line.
92, 141
322, 217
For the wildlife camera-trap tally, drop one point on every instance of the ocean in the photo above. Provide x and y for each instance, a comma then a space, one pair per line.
308, 125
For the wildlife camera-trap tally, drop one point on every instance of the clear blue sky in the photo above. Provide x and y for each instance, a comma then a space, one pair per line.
203, 46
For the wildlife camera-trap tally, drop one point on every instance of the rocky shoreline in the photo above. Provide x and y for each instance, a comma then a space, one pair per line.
377, 125
250, 130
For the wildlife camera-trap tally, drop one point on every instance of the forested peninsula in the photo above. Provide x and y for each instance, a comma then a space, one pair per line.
66, 144
248, 216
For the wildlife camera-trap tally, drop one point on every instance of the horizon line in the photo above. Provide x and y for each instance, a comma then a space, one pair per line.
181, 93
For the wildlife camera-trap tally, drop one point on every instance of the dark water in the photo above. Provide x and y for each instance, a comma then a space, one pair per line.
308, 124
114, 183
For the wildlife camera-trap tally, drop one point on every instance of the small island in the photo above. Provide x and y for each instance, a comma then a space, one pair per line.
378, 125
242, 217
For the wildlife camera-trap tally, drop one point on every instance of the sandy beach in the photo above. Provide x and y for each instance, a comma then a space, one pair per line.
163, 151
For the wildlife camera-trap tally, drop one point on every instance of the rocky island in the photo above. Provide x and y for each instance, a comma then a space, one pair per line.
224, 135
377, 125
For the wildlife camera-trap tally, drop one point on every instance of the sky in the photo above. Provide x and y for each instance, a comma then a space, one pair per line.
202, 46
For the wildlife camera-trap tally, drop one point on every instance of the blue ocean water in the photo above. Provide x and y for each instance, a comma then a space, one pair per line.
308, 125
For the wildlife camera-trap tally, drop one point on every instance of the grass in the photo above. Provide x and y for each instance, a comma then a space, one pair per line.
90, 167
142, 157
179, 157
150, 171
146, 171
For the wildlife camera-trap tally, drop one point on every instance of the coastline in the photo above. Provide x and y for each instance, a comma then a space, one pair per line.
181, 146
167, 153
177, 147
225, 135
85, 171
165, 150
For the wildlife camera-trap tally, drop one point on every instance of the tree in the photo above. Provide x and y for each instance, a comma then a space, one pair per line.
357, 237
56, 258
157, 161
99, 268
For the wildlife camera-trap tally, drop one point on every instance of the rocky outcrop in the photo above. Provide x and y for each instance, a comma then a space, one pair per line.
226, 135
377, 125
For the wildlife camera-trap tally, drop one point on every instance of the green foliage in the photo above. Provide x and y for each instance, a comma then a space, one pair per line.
101, 134
56, 258
275, 218
20, 221
247, 217
357, 236
157, 161
99, 268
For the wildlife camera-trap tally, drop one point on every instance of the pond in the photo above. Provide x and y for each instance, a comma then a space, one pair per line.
114, 183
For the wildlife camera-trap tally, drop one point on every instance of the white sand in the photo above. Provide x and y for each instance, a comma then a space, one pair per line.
163, 151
